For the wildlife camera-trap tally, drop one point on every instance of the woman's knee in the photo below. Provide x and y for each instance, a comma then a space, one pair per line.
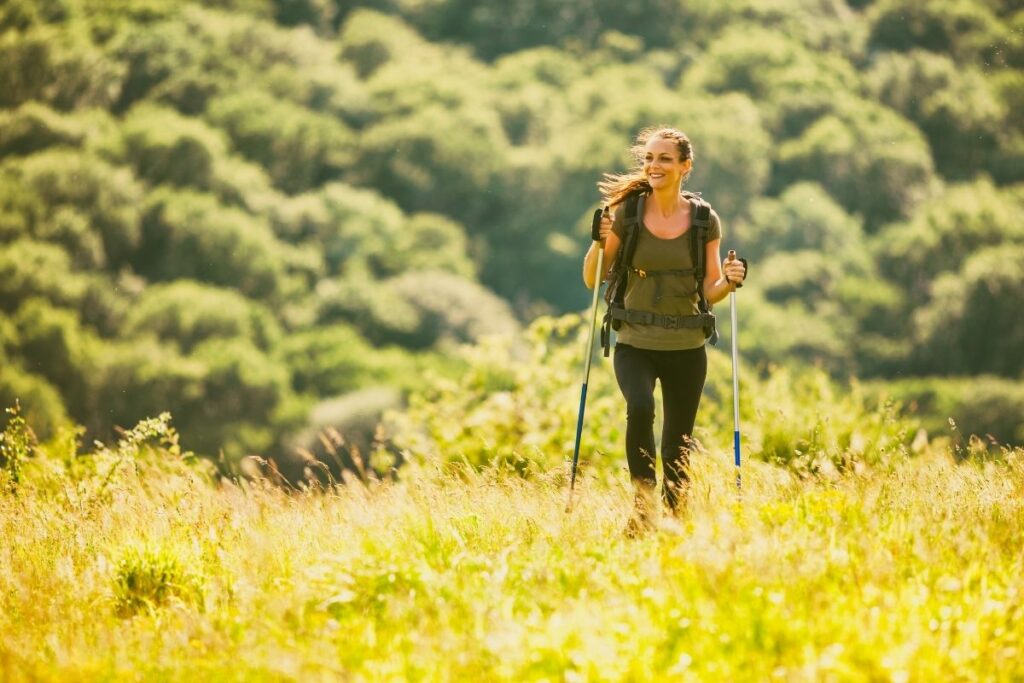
640, 409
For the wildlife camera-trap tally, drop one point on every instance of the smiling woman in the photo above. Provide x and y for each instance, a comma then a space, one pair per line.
665, 318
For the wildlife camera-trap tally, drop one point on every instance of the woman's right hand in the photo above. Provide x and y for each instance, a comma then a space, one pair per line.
606, 225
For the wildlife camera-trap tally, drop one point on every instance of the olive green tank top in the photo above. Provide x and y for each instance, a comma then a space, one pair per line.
665, 293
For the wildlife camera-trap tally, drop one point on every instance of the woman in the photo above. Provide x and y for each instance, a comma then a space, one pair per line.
660, 283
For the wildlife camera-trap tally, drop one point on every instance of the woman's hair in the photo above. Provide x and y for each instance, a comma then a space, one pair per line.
615, 188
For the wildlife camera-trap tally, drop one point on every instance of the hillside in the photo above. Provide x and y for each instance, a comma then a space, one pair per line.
245, 211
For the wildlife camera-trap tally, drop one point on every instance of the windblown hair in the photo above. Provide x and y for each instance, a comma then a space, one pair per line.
615, 187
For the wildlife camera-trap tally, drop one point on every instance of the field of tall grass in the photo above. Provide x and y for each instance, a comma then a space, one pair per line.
135, 562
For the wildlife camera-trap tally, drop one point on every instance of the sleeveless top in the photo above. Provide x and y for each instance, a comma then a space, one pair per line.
666, 293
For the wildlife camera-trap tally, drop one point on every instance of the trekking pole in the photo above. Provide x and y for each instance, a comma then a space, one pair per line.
735, 381
595, 233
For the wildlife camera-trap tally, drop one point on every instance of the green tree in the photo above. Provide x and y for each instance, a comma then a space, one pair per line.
300, 149
732, 152
317, 13
57, 66
142, 377
873, 161
20, 15
165, 60
33, 269
417, 310
359, 228
21, 209
969, 31
956, 106
190, 235
943, 232
188, 313
243, 390
33, 126
164, 147
108, 196
41, 403
967, 327
330, 360
53, 345
791, 83
802, 217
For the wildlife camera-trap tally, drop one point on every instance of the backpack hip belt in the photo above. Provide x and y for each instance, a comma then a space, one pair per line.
670, 322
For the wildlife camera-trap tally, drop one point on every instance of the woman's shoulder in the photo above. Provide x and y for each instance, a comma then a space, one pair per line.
716, 220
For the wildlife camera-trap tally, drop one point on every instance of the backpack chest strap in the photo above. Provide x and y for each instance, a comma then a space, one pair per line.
639, 272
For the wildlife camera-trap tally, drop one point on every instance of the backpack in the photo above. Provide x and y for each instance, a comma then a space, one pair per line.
615, 294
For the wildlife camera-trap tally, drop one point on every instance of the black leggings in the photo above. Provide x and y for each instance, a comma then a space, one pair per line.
682, 375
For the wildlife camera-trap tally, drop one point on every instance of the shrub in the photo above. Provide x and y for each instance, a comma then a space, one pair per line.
810, 425
516, 405
15, 446
147, 576
329, 360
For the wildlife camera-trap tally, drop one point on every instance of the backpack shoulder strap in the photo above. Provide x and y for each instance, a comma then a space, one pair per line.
700, 227
634, 211
632, 215
700, 221
700, 224
615, 295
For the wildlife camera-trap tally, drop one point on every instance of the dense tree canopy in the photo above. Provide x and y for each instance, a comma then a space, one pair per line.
237, 210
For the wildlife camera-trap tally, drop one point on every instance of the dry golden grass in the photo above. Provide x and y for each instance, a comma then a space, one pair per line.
911, 572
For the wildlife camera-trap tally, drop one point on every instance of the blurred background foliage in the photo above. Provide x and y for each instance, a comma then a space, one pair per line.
248, 211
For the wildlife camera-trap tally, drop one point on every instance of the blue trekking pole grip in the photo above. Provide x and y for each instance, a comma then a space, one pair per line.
735, 382
595, 233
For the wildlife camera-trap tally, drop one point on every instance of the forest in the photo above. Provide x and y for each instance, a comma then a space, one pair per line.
272, 217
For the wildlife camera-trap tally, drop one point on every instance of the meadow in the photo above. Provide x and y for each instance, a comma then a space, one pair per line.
136, 562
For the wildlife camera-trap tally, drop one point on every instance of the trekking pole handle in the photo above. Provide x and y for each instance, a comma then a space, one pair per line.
595, 225
732, 257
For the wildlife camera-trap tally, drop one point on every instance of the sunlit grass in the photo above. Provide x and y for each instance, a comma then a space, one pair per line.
906, 573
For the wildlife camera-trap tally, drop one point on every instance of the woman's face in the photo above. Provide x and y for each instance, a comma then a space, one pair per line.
662, 166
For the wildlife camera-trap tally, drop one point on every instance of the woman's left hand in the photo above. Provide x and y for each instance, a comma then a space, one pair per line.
734, 269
